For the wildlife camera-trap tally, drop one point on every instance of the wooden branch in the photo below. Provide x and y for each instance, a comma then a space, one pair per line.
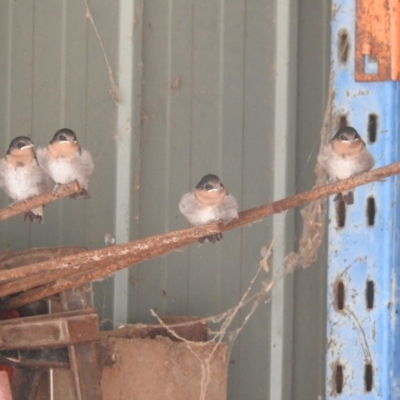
25, 205
100, 263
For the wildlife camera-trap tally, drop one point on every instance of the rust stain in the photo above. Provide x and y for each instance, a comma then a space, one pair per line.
378, 37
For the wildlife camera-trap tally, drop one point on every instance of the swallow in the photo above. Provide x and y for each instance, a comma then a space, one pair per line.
65, 161
21, 176
209, 202
346, 155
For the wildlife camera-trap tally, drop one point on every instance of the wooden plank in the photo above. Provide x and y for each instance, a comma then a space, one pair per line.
53, 330
85, 360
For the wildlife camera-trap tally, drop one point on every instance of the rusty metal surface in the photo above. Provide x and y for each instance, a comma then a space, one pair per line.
36, 358
85, 359
49, 331
377, 43
86, 366
24, 384
363, 327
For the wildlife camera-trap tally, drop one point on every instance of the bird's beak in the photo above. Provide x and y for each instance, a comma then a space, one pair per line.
69, 141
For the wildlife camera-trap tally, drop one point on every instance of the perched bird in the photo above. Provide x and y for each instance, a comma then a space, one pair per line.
345, 156
65, 161
21, 176
209, 202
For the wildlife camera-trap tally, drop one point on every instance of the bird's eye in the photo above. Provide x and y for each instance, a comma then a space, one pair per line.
343, 137
20, 145
208, 186
62, 137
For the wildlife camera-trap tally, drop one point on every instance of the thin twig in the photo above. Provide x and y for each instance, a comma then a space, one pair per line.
108, 260
36, 201
114, 90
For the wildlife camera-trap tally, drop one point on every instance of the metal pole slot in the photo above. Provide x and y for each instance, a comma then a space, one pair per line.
338, 379
368, 377
370, 294
340, 214
372, 127
371, 211
339, 296
343, 46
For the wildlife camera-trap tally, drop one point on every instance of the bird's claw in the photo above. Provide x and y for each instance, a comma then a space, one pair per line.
216, 237
338, 197
347, 198
56, 189
31, 217
84, 193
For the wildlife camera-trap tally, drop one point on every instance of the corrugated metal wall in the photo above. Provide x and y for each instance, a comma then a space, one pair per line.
234, 88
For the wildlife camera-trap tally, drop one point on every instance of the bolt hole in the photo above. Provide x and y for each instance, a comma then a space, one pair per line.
372, 127
339, 378
370, 294
343, 46
339, 296
371, 211
368, 377
340, 214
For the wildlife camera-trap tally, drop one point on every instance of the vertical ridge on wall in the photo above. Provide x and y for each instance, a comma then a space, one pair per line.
123, 139
6, 22
363, 256
284, 185
309, 335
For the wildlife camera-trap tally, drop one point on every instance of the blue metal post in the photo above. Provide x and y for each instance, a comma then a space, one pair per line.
363, 348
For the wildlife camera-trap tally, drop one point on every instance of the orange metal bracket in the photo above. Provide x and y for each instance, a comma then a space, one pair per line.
377, 40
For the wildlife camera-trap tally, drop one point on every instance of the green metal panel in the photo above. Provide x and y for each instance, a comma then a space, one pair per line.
54, 76
309, 336
16, 68
218, 120
202, 98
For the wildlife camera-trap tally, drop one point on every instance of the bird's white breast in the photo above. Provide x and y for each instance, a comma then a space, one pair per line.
343, 167
204, 215
62, 171
22, 182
